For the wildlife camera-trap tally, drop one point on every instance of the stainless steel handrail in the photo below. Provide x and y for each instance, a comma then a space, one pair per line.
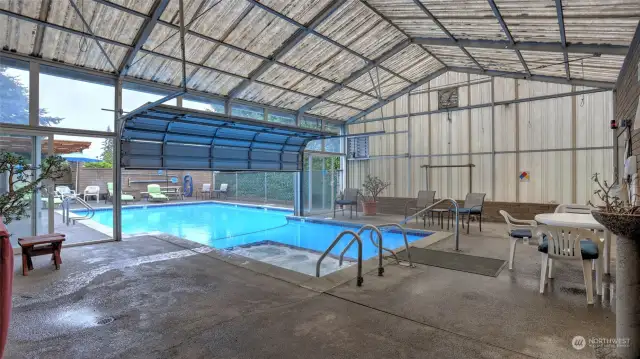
406, 242
379, 245
66, 211
335, 241
455, 204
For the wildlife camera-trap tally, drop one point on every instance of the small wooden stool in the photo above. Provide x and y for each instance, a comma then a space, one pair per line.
41, 245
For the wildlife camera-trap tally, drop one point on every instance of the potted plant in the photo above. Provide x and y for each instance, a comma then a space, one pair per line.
373, 186
623, 219
23, 182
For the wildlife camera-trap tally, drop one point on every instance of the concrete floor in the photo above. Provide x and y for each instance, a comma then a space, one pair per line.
148, 297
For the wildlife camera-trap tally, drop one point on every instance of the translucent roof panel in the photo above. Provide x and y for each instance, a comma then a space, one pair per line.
340, 66
346, 96
603, 68
548, 63
597, 22
18, 35
531, 20
312, 85
166, 40
310, 53
467, 19
408, 16
334, 111
302, 11
158, 69
216, 21
493, 59
142, 6
228, 59
281, 76
211, 81
413, 63
451, 56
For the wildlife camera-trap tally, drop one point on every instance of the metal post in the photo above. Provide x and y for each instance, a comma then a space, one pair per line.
310, 184
493, 141
409, 159
265, 187
237, 185
184, 59
36, 161
117, 164
34, 120
50, 189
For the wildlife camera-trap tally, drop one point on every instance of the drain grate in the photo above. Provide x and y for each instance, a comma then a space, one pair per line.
105, 320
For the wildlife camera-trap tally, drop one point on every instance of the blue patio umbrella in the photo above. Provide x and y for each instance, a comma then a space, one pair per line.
78, 157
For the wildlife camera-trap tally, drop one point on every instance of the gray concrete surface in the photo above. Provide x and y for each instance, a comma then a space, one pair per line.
148, 297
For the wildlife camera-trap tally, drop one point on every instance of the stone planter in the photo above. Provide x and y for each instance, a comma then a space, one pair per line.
627, 228
369, 208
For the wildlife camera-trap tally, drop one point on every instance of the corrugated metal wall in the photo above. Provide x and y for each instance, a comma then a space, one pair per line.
561, 142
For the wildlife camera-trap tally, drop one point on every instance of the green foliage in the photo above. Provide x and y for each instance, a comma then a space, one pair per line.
107, 150
373, 186
103, 164
15, 202
280, 185
14, 102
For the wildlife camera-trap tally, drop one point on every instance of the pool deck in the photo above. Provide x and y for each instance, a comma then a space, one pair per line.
161, 297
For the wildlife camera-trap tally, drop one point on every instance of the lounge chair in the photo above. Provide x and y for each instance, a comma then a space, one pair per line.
223, 190
91, 191
44, 198
350, 199
155, 194
425, 198
124, 197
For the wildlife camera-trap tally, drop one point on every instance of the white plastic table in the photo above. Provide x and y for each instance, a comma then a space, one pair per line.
577, 220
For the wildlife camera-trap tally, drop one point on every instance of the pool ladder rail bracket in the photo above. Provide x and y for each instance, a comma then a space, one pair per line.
424, 210
357, 238
67, 218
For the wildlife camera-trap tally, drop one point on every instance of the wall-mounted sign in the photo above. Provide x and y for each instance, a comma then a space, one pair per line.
524, 176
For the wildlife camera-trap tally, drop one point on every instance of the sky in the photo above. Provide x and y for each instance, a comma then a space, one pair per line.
80, 105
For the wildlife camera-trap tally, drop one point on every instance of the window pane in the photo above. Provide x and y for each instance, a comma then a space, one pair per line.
14, 93
132, 99
315, 124
283, 118
255, 113
212, 106
79, 105
334, 144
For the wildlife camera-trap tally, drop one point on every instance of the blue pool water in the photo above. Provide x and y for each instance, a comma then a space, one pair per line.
223, 226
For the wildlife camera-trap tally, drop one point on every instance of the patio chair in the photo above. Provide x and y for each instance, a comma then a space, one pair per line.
91, 191
124, 197
65, 191
565, 243
350, 199
424, 199
155, 194
573, 208
517, 229
223, 190
472, 206
44, 198
206, 189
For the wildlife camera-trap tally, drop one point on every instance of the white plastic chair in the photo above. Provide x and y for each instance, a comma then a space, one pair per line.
65, 191
565, 243
517, 229
92, 191
206, 189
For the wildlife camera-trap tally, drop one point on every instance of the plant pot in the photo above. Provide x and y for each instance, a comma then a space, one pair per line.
627, 228
369, 208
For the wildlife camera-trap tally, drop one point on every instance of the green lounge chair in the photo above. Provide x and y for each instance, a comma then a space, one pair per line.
155, 193
124, 197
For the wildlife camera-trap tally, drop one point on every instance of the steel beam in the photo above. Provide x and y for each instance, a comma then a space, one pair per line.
45, 6
528, 46
506, 31
563, 38
323, 37
398, 94
182, 47
75, 7
523, 76
143, 34
355, 75
444, 29
287, 45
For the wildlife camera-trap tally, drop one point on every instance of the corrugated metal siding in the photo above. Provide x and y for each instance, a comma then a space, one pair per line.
506, 177
587, 164
505, 128
594, 112
550, 180
545, 124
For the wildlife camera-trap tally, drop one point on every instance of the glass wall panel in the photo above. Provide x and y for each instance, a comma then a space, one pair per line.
334, 144
79, 105
20, 146
281, 117
316, 124
14, 92
135, 96
212, 106
255, 113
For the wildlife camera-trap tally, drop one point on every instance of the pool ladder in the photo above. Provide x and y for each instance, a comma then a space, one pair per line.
357, 238
67, 218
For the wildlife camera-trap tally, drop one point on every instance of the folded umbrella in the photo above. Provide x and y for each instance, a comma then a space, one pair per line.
6, 281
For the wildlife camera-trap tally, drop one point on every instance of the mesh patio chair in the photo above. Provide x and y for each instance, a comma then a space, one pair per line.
472, 206
425, 199
350, 199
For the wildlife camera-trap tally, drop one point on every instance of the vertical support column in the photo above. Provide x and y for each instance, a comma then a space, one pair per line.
409, 159
574, 166
50, 189
324, 171
517, 144
298, 199
34, 121
616, 145
36, 161
395, 190
179, 101
265, 187
429, 139
310, 183
493, 140
117, 161
469, 142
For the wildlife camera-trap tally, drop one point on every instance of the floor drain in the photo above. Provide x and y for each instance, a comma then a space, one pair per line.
106, 320
26, 297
